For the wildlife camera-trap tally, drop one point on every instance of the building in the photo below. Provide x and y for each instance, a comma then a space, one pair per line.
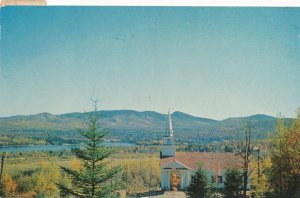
184, 164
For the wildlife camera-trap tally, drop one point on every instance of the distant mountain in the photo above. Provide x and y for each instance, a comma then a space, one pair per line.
129, 120
256, 117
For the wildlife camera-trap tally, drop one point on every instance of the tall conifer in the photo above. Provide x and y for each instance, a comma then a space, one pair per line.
94, 178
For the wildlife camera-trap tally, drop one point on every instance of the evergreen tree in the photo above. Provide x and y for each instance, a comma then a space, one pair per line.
199, 186
94, 178
233, 183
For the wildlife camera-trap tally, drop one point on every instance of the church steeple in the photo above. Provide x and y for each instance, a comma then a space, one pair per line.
170, 129
168, 148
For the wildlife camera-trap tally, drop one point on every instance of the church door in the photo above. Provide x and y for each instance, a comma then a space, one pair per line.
175, 180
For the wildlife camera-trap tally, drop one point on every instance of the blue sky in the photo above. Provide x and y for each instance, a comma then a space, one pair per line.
209, 62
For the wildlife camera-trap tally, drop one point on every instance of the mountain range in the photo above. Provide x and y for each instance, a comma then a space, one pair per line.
130, 120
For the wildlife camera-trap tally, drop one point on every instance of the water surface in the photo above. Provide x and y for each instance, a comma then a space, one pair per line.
55, 147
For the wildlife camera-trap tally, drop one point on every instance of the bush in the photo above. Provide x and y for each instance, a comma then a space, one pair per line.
25, 184
199, 186
233, 183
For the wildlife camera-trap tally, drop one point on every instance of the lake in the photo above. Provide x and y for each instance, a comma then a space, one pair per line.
55, 147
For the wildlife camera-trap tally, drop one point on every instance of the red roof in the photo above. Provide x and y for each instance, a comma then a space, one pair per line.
210, 161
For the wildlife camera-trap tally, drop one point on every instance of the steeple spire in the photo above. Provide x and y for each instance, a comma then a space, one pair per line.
170, 125
168, 148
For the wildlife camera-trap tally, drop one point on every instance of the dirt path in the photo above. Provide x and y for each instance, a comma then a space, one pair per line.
169, 194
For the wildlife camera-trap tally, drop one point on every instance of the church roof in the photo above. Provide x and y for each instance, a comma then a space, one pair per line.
210, 161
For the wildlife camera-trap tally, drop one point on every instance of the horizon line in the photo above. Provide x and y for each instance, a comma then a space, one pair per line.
142, 111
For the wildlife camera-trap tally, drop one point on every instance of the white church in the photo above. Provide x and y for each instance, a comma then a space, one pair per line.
185, 164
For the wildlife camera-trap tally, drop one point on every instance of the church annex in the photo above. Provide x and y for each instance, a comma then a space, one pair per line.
185, 164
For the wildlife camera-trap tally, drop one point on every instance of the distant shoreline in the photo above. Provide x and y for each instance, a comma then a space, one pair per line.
51, 147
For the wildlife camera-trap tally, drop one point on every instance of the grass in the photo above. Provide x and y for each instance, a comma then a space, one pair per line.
16, 165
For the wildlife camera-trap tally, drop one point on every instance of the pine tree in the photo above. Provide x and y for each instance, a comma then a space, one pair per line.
199, 186
94, 178
233, 183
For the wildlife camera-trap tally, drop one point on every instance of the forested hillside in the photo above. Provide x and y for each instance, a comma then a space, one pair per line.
134, 126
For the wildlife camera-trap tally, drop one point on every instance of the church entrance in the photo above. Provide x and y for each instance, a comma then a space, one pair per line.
175, 180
